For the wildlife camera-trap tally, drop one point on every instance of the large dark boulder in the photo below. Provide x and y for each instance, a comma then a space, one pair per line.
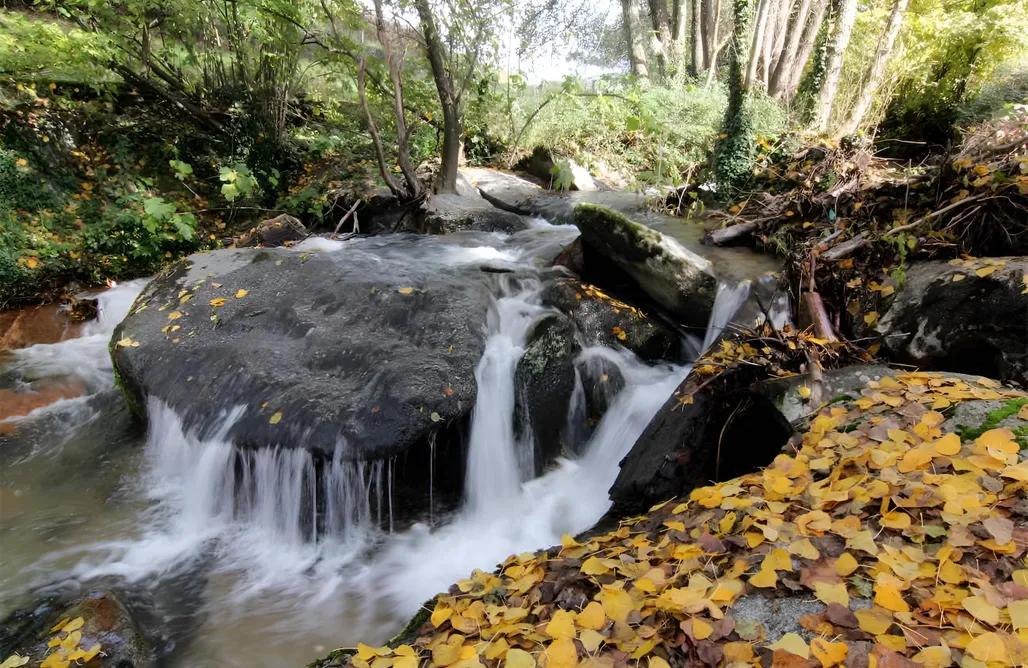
678, 280
703, 433
444, 214
948, 317
95, 623
371, 348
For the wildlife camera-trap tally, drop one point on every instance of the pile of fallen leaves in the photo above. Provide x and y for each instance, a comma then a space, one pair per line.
913, 541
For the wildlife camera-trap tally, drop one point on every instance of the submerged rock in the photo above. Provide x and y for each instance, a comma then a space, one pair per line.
95, 628
370, 349
968, 317
545, 381
444, 214
675, 278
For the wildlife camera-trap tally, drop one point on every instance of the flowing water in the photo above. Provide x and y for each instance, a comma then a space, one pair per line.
229, 544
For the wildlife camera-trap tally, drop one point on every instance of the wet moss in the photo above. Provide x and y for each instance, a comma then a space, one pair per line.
993, 420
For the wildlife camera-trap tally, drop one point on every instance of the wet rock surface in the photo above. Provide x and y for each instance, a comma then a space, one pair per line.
96, 629
606, 321
444, 214
962, 317
361, 346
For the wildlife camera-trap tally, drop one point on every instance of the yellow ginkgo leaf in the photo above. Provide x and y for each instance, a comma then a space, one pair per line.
701, 630
592, 617
276, 418
220, 301
562, 625
764, 578
828, 653
519, 658
561, 654
890, 598
406, 291
793, 644
804, 392
174, 315
241, 293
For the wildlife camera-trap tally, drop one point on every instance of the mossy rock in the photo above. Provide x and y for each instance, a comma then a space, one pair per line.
676, 279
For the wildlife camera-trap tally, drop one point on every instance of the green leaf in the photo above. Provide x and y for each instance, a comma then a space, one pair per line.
230, 191
158, 209
633, 123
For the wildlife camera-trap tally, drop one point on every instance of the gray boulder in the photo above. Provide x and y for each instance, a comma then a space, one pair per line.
518, 195
373, 346
443, 214
975, 324
675, 278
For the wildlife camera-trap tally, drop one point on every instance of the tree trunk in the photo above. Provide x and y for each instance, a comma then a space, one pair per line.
757, 43
712, 56
807, 42
395, 67
679, 30
710, 21
781, 25
770, 34
633, 37
833, 68
783, 68
878, 67
733, 154
699, 56
448, 100
661, 36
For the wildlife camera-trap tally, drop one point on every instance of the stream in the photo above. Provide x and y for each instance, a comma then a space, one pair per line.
219, 545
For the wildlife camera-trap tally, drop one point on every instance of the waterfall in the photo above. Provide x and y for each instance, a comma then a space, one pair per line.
727, 301
494, 470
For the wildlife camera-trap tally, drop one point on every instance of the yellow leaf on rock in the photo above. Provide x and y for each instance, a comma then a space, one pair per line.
890, 598
985, 271
793, 644
829, 653
220, 301
804, 392
871, 318
14, 661
874, 620
440, 615
275, 419
616, 604
778, 559
519, 658
562, 625
592, 617
174, 315
845, 564
55, 660
59, 625
406, 291
988, 647
981, 609
832, 593
241, 293
561, 654
764, 578
701, 630
948, 445
74, 625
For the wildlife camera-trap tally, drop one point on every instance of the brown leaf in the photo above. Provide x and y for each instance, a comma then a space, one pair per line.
886, 658
842, 616
1001, 528
709, 652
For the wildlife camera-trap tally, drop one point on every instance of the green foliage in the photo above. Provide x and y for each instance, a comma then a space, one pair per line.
563, 177
237, 181
45, 50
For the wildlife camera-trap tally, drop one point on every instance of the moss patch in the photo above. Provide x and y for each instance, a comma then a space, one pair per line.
993, 420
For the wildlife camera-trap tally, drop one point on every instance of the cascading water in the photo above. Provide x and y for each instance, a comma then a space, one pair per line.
290, 548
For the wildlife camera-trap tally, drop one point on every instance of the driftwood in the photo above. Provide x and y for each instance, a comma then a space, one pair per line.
730, 234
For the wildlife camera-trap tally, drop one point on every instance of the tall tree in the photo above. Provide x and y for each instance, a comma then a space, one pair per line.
837, 43
733, 154
807, 42
757, 42
699, 55
660, 36
783, 68
876, 73
679, 30
633, 37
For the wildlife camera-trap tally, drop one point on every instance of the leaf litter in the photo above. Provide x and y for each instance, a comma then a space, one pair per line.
877, 503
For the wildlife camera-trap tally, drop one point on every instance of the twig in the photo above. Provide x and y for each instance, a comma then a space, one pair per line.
935, 214
730, 233
343, 219
845, 248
